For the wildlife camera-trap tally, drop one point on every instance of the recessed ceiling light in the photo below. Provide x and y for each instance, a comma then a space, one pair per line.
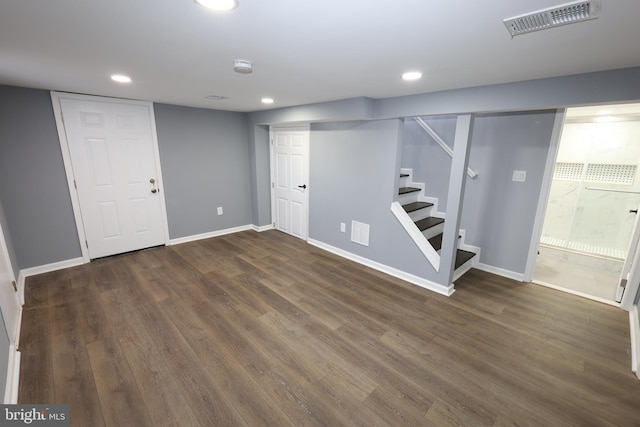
120, 78
218, 5
412, 75
267, 100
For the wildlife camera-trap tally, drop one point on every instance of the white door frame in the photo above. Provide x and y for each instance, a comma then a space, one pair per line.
545, 189
298, 127
66, 157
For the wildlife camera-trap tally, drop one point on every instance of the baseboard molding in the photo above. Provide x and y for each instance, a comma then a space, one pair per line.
261, 228
13, 377
209, 235
407, 277
41, 269
634, 327
500, 271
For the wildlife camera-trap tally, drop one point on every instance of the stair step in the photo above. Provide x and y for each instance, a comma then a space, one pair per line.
428, 222
463, 256
407, 190
412, 207
404, 175
436, 241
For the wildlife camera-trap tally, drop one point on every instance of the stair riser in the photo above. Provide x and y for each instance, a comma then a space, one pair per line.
403, 199
420, 214
433, 231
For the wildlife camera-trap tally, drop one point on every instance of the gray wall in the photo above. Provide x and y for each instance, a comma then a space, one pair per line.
33, 184
583, 89
205, 164
353, 176
430, 164
498, 214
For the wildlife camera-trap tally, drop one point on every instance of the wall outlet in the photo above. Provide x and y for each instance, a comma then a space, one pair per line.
220, 210
343, 227
519, 176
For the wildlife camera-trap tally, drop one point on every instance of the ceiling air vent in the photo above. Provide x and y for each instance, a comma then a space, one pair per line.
553, 17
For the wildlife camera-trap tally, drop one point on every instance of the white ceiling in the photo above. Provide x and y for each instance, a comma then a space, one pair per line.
302, 51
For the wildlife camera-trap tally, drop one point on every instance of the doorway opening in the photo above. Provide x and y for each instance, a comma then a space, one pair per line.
593, 202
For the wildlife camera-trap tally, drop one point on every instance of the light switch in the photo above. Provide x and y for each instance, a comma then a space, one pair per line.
343, 227
519, 176
220, 210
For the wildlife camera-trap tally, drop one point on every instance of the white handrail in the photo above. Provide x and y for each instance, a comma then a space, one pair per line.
441, 143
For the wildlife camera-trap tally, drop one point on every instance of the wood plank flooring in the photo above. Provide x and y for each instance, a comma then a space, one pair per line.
262, 329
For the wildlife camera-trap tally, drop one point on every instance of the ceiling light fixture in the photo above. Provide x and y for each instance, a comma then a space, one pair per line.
412, 75
218, 5
563, 14
121, 78
267, 100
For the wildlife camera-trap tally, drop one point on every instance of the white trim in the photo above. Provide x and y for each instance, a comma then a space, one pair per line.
68, 166
416, 235
209, 235
500, 272
634, 327
261, 228
13, 377
407, 277
47, 268
545, 189
577, 293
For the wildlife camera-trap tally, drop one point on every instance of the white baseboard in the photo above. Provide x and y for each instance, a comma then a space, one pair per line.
209, 235
261, 228
500, 272
634, 326
41, 269
13, 377
407, 277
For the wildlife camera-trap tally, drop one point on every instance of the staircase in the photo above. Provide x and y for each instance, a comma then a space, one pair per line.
423, 213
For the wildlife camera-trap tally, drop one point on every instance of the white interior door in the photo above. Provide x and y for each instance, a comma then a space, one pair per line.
630, 275
8, 296
112, 150
290, 172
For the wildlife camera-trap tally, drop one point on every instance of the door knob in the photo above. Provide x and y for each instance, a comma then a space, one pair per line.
635, 211
303, 186
154, 191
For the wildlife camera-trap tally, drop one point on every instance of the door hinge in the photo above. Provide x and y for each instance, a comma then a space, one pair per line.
86, 244
75, 185
15, 287
273, 185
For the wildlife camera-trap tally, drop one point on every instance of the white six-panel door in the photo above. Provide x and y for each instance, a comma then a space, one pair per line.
111, 148
290, 170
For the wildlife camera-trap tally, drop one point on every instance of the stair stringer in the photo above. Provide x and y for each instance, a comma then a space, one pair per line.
416, 235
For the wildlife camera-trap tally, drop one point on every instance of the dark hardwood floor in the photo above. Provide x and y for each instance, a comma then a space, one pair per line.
262, 329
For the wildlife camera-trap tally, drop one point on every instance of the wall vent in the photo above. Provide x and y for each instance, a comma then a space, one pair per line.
564, 14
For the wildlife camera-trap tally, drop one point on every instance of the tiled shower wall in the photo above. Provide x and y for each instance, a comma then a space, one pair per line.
602, 156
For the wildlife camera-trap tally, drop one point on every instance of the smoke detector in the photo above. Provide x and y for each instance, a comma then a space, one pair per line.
241, 66
564, 14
